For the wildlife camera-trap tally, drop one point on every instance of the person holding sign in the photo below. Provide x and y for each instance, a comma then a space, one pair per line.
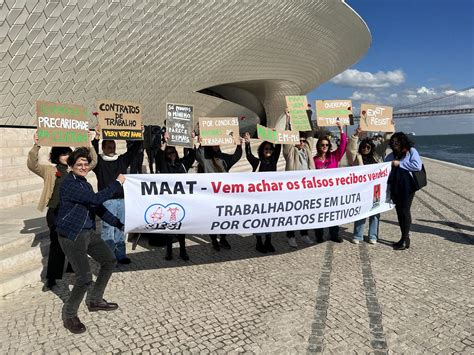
212, 160
327, 159
367, 152
268, 155
76, 228
169, 162
109, 166
298, 157
405, 160
53, 176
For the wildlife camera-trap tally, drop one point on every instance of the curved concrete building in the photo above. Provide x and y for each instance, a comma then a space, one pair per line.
226, 57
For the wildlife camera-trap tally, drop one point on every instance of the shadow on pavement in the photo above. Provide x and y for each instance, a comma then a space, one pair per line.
451, 235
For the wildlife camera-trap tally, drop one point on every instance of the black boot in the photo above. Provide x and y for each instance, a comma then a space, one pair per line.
260, 247
402, 244
183, 255
169, 252
215, 243
224, 243
268, 244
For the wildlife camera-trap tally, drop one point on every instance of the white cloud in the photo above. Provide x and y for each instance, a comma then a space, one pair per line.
356, 78
425, 90
363, 96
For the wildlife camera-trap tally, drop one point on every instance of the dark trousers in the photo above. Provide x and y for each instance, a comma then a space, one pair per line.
56, 255
404, 215
291, 234
333, 232
87, 242
152, 155
181, 241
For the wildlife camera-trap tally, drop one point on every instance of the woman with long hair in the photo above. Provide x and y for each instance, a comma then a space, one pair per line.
169, 162
405, 160
364, 153
327, 159
267, 160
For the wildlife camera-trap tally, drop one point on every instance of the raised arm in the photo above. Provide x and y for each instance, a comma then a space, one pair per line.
88, 197
33, 159
341, 149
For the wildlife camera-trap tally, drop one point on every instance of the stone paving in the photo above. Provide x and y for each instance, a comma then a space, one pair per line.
329, 298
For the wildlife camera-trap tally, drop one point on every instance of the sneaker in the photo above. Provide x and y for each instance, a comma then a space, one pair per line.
307, 239
292, 242
372, 241
355, 241
74, 325
224, 243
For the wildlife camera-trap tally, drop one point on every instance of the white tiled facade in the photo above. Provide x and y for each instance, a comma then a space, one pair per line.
161, 51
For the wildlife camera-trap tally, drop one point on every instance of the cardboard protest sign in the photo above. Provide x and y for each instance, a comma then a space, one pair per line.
61, 125
120, 120
376, 118
297, 105
328, 112
179, 124
277, 137
219, 130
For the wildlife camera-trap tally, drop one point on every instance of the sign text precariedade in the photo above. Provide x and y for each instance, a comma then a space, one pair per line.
61, 124
376, 118
219, 131
254, 203
179, 124
328, 112
277, 137
120, 120
297, 105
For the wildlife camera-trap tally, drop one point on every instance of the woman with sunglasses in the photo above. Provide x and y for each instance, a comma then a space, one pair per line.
405, 160
169, 162
268, 155
325, 158
367, 152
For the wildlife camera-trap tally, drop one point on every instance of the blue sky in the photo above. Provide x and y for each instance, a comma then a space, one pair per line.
421, 49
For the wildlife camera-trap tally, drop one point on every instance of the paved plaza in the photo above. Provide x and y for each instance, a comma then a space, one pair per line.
330, 298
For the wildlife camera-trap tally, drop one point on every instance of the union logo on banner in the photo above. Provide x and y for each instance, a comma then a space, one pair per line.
158, 216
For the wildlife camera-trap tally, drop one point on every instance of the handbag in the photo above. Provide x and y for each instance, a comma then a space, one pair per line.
419, 178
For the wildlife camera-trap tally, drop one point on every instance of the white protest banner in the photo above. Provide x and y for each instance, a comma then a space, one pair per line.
254, 203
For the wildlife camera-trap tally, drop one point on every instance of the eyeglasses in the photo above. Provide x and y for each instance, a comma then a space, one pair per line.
302, 140
324, 145
365, 147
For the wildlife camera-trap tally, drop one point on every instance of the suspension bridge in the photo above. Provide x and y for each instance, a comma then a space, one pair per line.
453, 103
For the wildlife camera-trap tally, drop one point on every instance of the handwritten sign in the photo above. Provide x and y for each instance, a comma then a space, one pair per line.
277, 137
179, 124
61, 125
376, 118
219, 130
297, 105
329, 111
120, 120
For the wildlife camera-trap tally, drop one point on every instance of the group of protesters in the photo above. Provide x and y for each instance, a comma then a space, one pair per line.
73, 205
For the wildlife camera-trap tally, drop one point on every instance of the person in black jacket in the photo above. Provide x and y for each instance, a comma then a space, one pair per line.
109, 166
169, 162
212, 160
268, 155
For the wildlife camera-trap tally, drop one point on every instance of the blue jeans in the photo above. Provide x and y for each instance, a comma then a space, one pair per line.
112, 236
373, 228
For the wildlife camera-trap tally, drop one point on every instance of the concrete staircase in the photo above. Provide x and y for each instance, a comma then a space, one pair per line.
24, 235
